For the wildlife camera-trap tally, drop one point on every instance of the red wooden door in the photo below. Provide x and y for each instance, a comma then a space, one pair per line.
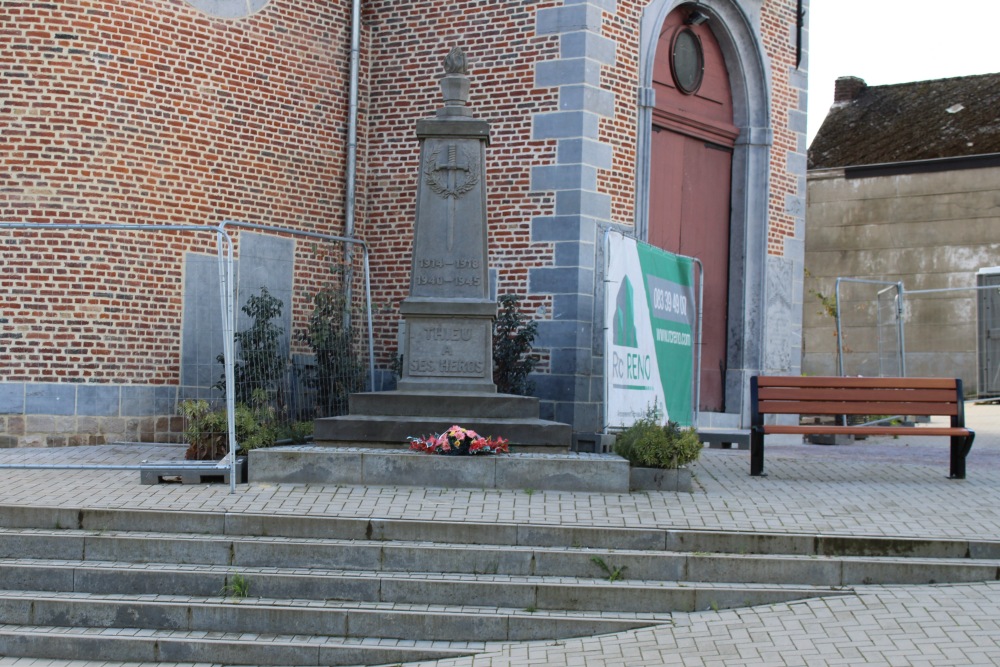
690, 178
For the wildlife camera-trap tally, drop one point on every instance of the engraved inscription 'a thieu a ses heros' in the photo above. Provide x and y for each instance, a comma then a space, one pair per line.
447, 350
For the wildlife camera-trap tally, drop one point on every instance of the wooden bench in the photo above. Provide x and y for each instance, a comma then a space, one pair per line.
771, 395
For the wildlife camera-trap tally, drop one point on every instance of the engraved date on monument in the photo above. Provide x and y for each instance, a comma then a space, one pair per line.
461, 281
444, 263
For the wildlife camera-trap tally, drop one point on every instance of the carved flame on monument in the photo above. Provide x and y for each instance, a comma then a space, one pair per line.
448, 333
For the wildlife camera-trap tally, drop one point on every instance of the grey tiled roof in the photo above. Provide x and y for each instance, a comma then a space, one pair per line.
911, 121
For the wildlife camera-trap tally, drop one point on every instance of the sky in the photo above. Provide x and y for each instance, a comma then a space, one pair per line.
897, 41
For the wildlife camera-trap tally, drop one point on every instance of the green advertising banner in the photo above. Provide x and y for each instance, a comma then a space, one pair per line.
650, 317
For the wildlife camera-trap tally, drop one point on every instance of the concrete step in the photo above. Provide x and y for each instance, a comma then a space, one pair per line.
132, 645
324, 618
571, 594
133, 585
98, 521
408, 556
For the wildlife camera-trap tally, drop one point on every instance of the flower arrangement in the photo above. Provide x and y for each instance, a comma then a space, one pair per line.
458, 441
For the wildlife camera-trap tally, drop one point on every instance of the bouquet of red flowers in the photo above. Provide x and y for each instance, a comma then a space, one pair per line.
458, 441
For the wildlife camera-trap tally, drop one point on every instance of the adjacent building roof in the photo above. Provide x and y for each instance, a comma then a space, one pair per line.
903, 122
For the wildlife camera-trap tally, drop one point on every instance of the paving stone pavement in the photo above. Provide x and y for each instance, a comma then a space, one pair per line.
883, 486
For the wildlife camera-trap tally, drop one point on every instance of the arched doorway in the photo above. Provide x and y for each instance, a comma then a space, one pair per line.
691, 158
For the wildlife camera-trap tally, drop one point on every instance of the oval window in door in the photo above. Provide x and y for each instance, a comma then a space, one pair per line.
687, 61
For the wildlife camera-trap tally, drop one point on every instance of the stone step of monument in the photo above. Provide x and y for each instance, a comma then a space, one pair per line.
455, 407
525, 435
320, 464
129, 644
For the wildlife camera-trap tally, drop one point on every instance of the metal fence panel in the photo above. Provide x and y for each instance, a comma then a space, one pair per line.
109, 333
869, 333
885, 330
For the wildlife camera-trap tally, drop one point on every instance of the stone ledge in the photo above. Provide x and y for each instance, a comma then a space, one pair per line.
305, 464
658, 479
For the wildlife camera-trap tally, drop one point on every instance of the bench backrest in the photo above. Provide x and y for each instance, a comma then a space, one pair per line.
856, 396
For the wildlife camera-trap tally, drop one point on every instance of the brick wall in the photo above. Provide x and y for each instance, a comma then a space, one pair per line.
154, 112
138, 113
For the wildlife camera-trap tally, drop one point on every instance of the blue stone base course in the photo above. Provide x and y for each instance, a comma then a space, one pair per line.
52, 414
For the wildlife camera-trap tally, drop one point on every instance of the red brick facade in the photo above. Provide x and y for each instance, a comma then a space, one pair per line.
154, 112
778, 34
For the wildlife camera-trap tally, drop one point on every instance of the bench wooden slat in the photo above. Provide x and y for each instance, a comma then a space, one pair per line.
834, 381
856, 408
818, 429
866, 394
793, 395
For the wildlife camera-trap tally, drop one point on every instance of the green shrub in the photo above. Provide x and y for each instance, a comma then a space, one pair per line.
647, 444
339, 371
513, 336
260, 363
206, 429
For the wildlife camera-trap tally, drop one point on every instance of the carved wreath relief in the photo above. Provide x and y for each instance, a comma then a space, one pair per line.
452, 178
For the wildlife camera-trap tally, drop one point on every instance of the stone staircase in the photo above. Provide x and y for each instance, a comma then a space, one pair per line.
145, 586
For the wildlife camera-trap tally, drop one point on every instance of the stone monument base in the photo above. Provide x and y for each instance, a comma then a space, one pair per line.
309, 464
388, 418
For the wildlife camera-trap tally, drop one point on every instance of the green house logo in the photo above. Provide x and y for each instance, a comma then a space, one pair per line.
624, 324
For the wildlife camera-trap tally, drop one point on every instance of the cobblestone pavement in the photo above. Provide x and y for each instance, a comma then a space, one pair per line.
883, 486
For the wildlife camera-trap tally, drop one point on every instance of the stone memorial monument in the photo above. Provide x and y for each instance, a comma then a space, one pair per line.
447, 339
448, 317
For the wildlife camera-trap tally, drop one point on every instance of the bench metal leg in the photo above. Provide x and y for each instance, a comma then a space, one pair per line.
756, 453
960, 446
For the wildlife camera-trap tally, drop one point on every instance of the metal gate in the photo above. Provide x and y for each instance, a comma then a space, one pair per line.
988, 312
885, 330
869, 327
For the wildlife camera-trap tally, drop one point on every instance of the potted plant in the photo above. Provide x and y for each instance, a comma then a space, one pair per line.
658, 453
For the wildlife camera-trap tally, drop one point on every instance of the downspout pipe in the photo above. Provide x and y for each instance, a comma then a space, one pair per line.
352, 153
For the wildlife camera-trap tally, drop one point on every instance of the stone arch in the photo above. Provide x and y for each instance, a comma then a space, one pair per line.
228, 9
750, 83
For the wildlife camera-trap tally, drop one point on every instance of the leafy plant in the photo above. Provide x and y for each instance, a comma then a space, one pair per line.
649, 444
613, 573
206, 429
396, 365
260, 363
338, 372
513, 336
236, 586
